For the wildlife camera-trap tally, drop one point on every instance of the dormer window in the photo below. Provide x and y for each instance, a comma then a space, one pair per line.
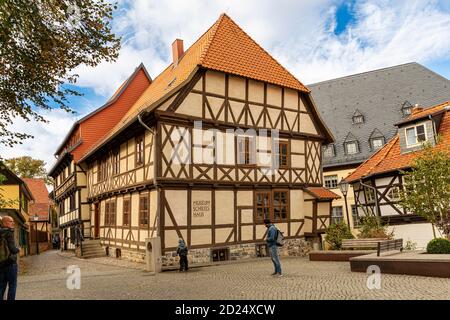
376, 143
415, 135
351, 147
407, 109
328, 151
357, 117
376, 140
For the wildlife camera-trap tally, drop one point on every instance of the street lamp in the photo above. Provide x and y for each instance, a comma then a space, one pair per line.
343, 186
36, 219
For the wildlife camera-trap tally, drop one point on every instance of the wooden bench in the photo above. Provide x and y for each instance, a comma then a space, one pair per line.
380, 244
388, 245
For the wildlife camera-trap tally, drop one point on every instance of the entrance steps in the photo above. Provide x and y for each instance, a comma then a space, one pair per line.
92, 249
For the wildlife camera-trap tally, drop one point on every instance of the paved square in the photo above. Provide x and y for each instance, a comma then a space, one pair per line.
107, 278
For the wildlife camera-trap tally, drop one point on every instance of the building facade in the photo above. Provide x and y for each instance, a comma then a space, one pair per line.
70, 180
378, 181
222, 139
361, 111
16, 197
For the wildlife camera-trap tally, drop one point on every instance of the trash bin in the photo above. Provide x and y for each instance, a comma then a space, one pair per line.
153, 254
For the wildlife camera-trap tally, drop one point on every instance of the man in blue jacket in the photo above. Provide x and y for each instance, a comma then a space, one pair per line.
272, 234
8, 269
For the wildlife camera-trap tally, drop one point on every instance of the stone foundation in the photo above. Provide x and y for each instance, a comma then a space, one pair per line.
292, 247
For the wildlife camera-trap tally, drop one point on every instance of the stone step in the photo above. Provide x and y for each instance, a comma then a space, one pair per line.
89, 256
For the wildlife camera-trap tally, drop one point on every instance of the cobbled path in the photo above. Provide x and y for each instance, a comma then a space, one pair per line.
44, 277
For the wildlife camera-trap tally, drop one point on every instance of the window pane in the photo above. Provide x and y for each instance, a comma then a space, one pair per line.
421, 133
351, 148
411, 136
331, 182
377, 143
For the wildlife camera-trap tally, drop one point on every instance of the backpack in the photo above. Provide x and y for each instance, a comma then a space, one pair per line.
4, 251
280, 238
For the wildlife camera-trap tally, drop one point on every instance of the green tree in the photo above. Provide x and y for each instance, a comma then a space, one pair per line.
41, 41
426, 190
27, 167
335, 233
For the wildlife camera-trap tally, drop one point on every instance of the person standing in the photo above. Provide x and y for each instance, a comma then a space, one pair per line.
8, 263
271, 240
182, 251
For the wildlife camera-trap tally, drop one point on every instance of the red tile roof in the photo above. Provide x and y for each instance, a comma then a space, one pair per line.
322, 193
389, 158
41, 202
223, 47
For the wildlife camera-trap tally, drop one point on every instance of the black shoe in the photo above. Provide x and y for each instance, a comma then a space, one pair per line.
275, 273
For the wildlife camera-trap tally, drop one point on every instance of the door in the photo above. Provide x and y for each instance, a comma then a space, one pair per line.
96, 221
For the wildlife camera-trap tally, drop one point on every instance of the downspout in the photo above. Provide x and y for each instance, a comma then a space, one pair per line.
375, 193
154, 171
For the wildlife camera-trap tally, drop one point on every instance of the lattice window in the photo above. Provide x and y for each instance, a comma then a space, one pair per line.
355, 216
328, 151
139, 151
331, 182
116, 161
246, 150
336, 215
283, 154
262, 205
144, 211
351, 147
280, 205
415, 135
126, 212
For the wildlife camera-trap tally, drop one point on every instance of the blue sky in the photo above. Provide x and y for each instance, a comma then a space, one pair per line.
315, 40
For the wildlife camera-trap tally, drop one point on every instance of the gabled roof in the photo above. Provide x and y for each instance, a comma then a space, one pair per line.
110, 101
379, 95
389, 158
224, 47
12, 179
322, 193
41, 203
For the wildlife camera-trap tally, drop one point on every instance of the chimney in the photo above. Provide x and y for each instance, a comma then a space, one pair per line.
177, 51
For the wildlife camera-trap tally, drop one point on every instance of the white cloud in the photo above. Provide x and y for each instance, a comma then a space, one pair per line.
297, 33
47, 136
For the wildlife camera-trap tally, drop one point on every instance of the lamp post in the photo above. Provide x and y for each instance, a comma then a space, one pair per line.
36, 219
343, 186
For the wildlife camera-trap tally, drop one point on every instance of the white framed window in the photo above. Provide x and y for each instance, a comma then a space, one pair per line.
331, 182
358, 119
415, 135
336, 215
376, 143
351, 147
370, 195
328, 151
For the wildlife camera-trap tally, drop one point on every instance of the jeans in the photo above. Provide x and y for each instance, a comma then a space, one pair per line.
275, 258
8, 277
183, 263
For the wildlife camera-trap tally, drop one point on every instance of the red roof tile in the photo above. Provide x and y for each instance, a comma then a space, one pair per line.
322, 193
41, 201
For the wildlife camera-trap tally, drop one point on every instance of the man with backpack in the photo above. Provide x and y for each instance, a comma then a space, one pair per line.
274, 239
8, 259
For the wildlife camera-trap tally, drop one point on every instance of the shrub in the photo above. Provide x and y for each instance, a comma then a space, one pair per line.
335, 233
372, 227
439, 246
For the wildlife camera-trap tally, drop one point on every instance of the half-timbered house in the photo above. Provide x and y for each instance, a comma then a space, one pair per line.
377, 182
194, 157
70, 187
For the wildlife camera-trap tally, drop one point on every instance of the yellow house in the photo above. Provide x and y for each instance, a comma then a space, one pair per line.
15, 198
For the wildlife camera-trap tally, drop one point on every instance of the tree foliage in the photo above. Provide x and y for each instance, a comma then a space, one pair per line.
371, 227
27, 167
426, 190
41, 41
335, 233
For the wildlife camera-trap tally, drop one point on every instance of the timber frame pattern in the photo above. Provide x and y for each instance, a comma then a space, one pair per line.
161, 177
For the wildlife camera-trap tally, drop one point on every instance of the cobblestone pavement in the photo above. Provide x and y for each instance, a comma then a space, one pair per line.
45, 277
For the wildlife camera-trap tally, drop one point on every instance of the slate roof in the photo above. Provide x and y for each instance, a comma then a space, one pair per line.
379, 96
389, 158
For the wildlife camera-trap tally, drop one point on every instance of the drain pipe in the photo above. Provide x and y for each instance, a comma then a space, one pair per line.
154, 170
375, 194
